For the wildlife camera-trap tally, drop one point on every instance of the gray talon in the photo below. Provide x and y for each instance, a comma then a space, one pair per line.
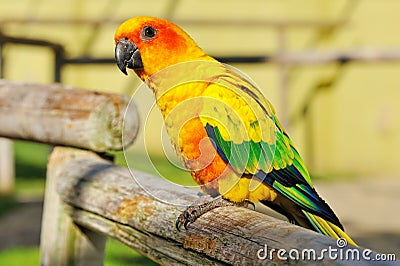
193, 212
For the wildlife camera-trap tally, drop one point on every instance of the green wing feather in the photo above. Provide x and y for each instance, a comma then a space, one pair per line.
278, 164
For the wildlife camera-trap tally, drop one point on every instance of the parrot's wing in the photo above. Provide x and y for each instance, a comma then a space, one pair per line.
277, 164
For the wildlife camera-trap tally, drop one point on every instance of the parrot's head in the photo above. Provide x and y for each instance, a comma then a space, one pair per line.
149, 44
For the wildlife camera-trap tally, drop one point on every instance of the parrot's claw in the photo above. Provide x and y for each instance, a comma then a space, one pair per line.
247, 202
193, 212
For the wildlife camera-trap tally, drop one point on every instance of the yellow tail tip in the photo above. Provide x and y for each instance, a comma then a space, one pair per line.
330, 229
342, 235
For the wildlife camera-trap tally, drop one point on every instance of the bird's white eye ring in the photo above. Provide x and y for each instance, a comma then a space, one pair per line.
148, 33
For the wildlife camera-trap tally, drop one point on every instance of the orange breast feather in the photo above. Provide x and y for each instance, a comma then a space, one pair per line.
200, 156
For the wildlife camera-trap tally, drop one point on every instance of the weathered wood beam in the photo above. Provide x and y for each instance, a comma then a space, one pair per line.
62, 115
111, 200
7, 172
63, 242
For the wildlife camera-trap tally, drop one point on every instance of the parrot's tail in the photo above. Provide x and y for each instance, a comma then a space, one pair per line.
327, 228
309, 220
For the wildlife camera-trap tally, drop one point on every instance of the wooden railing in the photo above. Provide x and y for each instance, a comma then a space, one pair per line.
88, 198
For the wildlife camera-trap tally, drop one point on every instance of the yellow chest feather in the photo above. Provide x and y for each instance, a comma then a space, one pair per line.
238, 189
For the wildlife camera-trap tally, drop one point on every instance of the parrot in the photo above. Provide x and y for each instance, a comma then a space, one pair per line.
222, 127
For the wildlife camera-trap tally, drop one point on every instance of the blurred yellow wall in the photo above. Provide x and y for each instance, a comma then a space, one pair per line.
352, 128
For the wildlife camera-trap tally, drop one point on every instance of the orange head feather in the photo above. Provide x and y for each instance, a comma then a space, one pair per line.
160, 44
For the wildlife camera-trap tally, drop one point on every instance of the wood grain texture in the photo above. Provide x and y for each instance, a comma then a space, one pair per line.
7, 171
110, 200
62, 115
63, 242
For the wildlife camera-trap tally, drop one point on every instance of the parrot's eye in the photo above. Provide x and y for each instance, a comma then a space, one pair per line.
148, 32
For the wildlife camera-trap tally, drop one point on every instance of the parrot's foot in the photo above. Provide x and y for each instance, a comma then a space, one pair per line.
195, 211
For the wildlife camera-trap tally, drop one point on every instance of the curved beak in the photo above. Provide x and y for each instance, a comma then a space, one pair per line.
127, 55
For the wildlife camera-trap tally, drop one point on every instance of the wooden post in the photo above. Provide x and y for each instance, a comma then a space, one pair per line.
140, 211
61, 115
62, 241
7, 172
